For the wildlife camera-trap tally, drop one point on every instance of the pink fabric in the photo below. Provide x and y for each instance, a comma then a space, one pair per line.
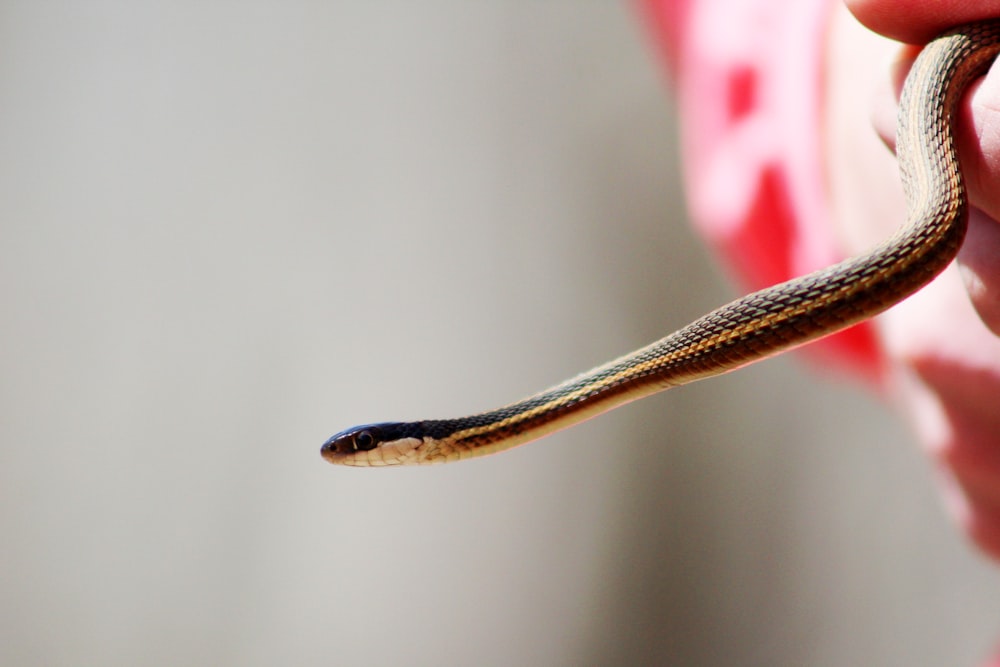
749, 81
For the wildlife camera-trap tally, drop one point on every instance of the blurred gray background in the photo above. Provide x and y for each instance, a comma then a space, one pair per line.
229, 229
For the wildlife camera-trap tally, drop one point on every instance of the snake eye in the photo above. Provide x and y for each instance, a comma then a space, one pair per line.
365, 441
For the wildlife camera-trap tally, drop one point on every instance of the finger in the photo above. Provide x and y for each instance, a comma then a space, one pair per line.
977, 131
959, 421
979, 265
918, 22
978, 138
885, 102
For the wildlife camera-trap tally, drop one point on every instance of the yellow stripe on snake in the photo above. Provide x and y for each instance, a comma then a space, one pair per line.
758, 325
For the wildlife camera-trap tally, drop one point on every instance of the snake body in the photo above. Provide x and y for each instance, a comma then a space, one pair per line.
760, 324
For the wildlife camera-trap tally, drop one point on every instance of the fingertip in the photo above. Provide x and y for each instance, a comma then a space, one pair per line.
876, 15
918, 23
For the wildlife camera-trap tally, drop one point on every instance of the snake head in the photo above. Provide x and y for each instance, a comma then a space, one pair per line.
389, 443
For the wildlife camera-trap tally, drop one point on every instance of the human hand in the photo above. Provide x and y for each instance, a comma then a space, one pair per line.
942, 344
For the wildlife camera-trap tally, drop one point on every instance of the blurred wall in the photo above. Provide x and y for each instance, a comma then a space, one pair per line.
228, 230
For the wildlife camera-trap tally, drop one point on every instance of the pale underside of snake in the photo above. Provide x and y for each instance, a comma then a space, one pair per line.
758, 325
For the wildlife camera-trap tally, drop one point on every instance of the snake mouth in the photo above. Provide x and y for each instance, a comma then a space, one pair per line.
330, 452
345, 458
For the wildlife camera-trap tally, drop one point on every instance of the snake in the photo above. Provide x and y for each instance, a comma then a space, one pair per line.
758, 325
